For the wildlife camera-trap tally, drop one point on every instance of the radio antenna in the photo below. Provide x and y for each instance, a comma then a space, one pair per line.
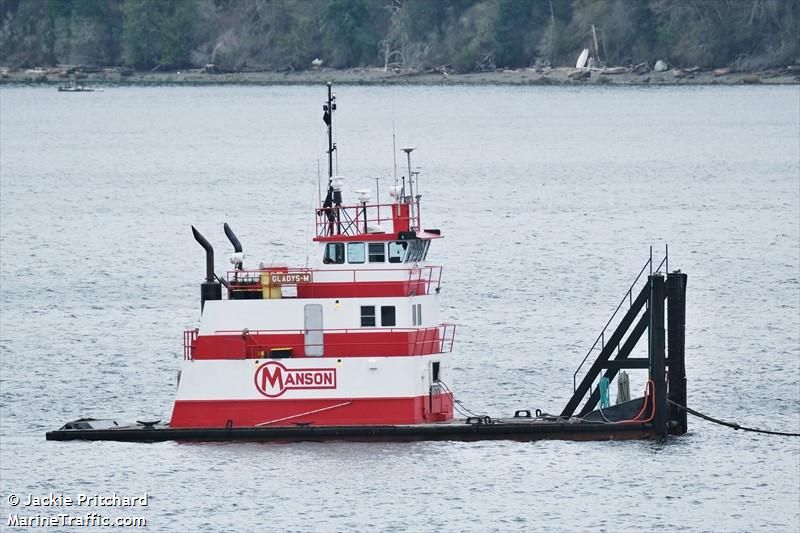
394, 154
319, 183
410, 180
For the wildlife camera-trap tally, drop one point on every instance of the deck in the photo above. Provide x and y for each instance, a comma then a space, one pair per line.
517, 429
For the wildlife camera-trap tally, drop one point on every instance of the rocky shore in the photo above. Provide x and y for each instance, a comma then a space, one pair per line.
378, 76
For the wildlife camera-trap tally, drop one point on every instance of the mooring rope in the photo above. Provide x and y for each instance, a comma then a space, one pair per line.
733, 425
689, 410
456, 403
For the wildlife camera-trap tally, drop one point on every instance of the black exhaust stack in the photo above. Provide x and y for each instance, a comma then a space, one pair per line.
210, 289
237, 246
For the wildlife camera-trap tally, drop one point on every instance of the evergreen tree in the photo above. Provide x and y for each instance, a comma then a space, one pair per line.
158, 33
467, 34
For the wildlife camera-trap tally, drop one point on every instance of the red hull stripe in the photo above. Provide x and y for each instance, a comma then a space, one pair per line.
346, 289
318, 412
378, 344
364, 289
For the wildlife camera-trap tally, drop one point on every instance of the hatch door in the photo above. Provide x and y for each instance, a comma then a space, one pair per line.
313, 330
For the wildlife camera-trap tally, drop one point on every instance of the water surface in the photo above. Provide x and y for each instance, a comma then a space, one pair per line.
549, 199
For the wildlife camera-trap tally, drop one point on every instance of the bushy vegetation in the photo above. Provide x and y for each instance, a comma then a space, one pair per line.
465, 35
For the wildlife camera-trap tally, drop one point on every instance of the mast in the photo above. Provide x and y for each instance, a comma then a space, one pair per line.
334, 196
328, 109
596, 48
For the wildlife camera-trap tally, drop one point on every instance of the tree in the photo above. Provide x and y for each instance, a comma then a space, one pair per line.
467, 34
158, 33
512, 32
350, 39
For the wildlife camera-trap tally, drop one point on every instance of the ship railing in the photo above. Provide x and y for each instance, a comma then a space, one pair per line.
420, 341
189, 337
416, 280
600, 342
360, 219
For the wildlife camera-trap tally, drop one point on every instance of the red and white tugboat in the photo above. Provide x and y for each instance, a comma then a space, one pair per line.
354, 340
353, 348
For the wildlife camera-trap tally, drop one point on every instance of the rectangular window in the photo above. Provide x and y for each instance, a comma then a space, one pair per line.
387, 316
416, 314
425, 252
415, 251
397, 251
355, 252
368, 316
376, 252
435, 371
334, 253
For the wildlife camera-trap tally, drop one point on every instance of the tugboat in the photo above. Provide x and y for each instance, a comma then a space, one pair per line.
354, 348
354, 340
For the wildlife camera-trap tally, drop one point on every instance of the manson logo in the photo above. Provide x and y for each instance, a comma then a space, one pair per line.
273, 379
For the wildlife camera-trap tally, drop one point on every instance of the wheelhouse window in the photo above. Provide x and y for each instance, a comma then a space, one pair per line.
388, 316
355, 252
377, 253
367, 316
397, 251
417, 250
334, 253
416, 314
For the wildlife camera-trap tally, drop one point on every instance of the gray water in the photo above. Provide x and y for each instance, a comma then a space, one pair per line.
549, 199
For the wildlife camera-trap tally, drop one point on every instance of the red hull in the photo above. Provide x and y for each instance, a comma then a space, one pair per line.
318, 412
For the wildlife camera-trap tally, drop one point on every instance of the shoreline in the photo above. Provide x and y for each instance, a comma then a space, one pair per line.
377, 76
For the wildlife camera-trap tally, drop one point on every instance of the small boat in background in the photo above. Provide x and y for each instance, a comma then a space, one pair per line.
75, 87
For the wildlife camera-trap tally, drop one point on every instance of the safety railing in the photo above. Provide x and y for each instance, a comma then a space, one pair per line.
417, 341
189, 337
362, 219
313, 283
600, 341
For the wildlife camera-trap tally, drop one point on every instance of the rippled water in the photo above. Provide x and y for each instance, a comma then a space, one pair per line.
549, 199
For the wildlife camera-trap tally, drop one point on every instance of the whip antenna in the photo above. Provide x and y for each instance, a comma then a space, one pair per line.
394, 154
